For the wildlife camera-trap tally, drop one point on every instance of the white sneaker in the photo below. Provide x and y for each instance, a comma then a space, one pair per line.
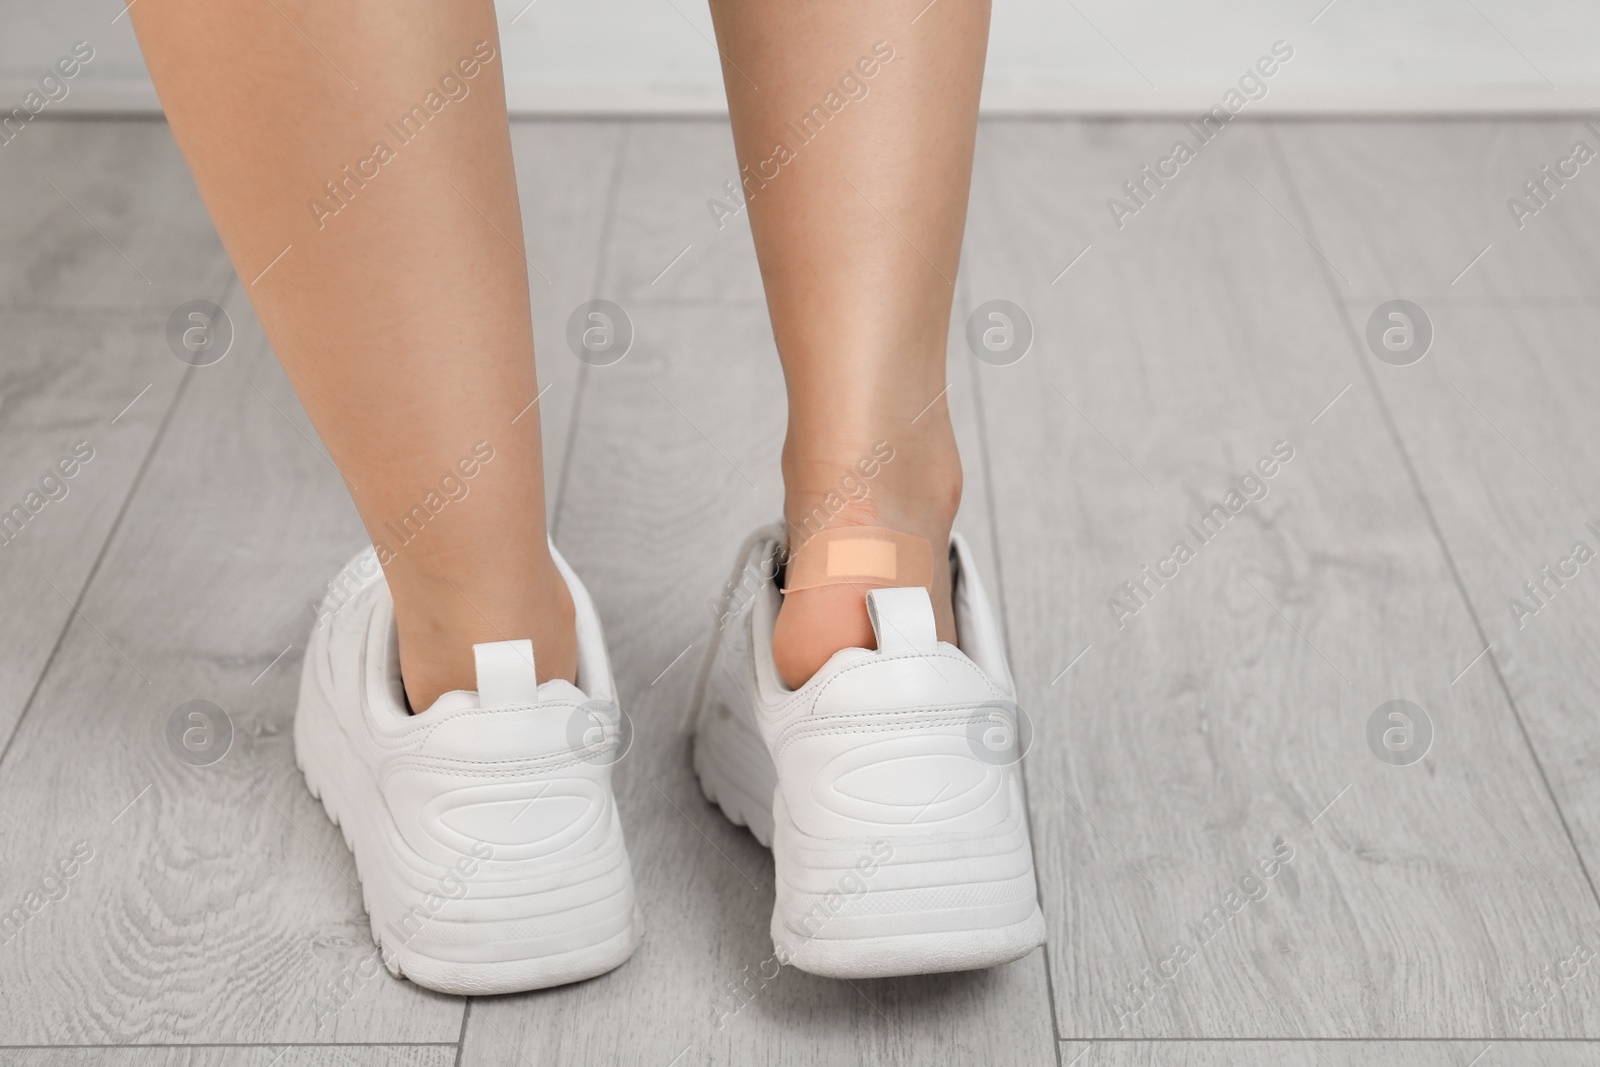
484, 830
886, 786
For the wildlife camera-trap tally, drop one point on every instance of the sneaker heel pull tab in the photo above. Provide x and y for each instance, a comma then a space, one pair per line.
506, 676
902, 619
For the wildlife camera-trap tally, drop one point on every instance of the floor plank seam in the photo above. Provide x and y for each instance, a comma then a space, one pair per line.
461, 1038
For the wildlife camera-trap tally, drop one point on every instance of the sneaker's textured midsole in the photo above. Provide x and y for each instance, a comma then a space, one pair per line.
889, 902
736, 771
896, 883
479, 926
903, 954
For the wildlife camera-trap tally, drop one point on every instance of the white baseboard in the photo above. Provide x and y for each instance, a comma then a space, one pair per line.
135, 96
1141, 100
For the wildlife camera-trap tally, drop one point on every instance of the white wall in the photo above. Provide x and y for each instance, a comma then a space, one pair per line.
1096, 56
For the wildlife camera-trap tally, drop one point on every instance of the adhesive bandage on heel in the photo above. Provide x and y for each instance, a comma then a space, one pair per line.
851, 555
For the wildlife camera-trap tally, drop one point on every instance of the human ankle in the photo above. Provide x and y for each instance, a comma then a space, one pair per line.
439, 617
911, 485
906, 478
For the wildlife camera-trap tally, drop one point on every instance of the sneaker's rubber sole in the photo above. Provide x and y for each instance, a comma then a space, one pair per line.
575, 917
874, 907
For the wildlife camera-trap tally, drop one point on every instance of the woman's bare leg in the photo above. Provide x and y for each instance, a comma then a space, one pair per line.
400, 308
854, 125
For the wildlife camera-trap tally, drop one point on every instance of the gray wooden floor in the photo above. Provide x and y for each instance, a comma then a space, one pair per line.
1433, 911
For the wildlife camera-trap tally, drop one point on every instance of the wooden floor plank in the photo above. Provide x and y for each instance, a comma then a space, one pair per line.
1227, 718
85, 394
1497, 425
238, 1056
1495, 420
688, 236
87, 362
1325, 1053
1404, 210
676, 462
564, 178
102, 215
